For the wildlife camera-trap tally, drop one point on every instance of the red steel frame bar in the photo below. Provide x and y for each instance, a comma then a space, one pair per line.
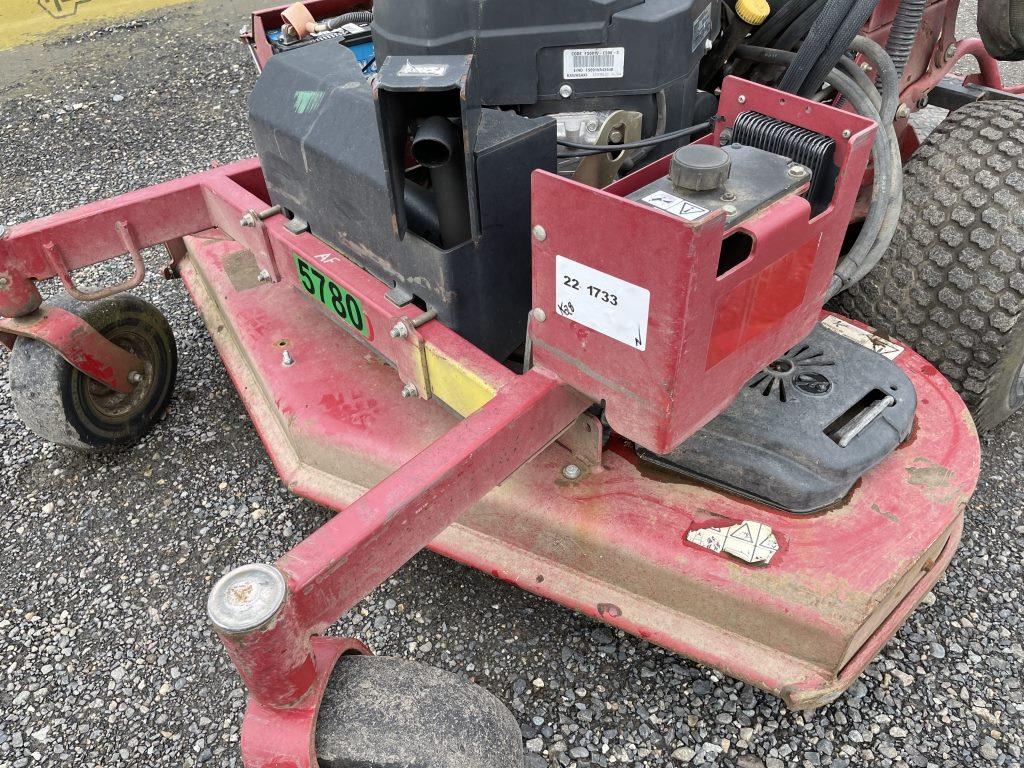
352, 554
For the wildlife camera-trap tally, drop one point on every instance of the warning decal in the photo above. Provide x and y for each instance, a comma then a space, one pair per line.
677, 206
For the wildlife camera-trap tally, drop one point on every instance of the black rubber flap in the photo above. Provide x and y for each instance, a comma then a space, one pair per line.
801, 432
382, 712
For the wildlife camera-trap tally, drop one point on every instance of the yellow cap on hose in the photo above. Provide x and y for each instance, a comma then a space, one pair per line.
753, 12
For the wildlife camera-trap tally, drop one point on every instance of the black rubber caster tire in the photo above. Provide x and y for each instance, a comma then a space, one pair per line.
952, 283
62, 405
383, 712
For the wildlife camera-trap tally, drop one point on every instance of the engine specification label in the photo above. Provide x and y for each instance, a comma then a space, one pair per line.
594, 63
602, 302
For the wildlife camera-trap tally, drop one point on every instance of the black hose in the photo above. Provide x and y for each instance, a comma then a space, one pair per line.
820, 35
838, 45
887, 187
779, 20
888, 80
798, 30
354, 17
859, 261
903, 33
849, 67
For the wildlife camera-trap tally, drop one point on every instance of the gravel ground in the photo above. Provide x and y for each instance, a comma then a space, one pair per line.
106, 658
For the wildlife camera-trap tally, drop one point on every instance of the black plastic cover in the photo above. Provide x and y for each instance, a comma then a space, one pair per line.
520, 45
315, 125
779, 441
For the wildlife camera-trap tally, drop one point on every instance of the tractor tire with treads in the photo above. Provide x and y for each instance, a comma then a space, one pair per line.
952, 283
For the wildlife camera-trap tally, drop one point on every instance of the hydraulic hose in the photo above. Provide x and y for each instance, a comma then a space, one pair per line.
798, 30
887, 187
859, 261
849, 67
820, 35
903, 33
779, 20
838, 45
888, 79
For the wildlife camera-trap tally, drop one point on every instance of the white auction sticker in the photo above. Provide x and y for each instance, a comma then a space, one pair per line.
593, 63
677, 206
600, 301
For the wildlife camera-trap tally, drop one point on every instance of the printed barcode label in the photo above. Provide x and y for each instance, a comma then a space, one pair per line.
594, 63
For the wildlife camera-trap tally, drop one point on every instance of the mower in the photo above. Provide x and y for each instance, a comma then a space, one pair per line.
541, 286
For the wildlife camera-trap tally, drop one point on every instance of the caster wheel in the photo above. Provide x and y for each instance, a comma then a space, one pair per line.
64, 406
381, 712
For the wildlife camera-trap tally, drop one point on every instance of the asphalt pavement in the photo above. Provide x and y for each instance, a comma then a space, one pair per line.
106, 657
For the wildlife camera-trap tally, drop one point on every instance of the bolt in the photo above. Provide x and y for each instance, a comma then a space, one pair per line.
592, 126
903, 112
730, 210
409, 390
565, 91
540, 233
4, 282
847, 133
615, 137
286, 359
797, 171
134, 377
571, 472
725, 137
727, 196
263, 276
539, 315
866, 66
246, 598
400, 331
248, 219
951, 50
742, 99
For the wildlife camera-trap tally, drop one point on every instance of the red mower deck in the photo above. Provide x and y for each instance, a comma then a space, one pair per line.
613, 543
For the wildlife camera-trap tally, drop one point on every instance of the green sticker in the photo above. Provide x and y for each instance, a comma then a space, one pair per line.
308, 101
333, 296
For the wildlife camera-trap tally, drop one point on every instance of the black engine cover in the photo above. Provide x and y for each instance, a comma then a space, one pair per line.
786, 439
523, 49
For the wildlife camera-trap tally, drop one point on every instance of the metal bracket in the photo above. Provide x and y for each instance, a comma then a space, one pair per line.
413, 367
56, 262
80, 344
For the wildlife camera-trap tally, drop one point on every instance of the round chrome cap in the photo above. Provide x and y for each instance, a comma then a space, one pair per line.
246, 598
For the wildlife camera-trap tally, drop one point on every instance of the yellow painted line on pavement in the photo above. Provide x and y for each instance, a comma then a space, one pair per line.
22, 21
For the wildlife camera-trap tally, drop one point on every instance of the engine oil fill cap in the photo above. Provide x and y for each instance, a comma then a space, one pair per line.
700, 167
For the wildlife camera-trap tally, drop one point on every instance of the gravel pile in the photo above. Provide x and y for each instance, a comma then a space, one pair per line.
106, 658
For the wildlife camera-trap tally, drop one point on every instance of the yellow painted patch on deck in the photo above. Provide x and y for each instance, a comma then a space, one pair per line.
22, 21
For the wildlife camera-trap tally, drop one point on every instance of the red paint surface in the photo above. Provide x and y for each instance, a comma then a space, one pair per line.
612, 544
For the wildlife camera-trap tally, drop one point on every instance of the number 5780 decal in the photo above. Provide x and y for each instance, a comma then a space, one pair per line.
333, 296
